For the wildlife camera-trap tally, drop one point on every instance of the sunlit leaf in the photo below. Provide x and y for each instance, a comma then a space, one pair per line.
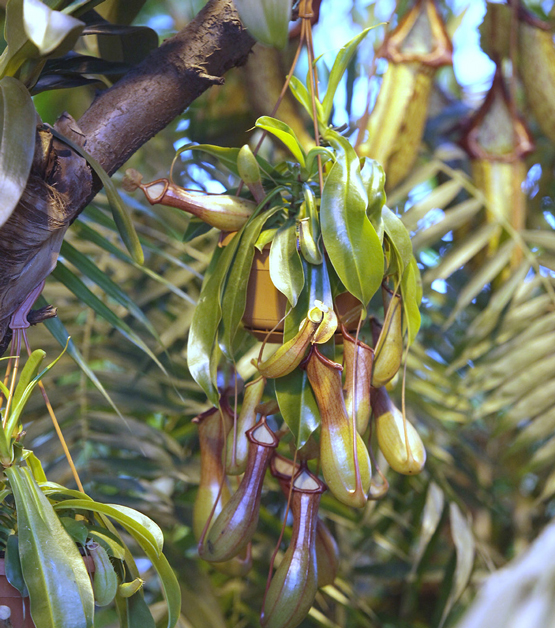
17, 143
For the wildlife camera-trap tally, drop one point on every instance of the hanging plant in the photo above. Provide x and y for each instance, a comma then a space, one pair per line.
336, 260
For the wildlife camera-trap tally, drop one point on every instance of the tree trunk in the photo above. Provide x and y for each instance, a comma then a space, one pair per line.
118, 123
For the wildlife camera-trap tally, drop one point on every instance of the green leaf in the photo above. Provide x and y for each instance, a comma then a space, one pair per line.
373, 176
431, 517
109, 541
93, 236
133, 521
340, 64
12, 562
77, 530
226, 156
121, 217
35, 465
195, 228
59, 332
461, 252
137, 612
86, 266
293, 392
80, 290
286, 268
399, 237
480, 278
311, 159
301, 94
439, 197
297, 405
454, 217
17, 143
206, 319
28, 373
54, 571
464, 545
266, 237
50, 31
411, 295
285, 134
350, 239
235, 294
170, 585
488, 318
17, 409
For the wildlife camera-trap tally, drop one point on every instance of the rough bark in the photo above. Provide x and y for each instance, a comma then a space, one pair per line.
119, 121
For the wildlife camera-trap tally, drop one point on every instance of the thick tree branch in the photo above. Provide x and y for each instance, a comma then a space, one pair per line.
118, 122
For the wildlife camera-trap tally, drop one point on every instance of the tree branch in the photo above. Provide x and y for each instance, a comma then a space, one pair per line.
118, 123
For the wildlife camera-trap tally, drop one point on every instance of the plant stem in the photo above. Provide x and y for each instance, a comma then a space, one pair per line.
56, 425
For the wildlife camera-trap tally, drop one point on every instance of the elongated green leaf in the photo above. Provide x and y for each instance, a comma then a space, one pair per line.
28, 373
312, 158
430, 520
59, 332
538, 400
297, 405
226, 156
15, 412
93, 236
206, 319
487, 319
301, 94
540, 237
453, 218
350, 239
54, 571
119, 212
132, 520
14, 573
523, 381
35, 465
109, 541
137, 613
5, 390
286, 268
17, 143
101, 279
195, 228
77, 530
461, 253
439, 197
235, 295
340, 64
170, 585
293, 392
411, 293
464, 544
373, 176
285, 134
80, 290
399, 237
481, 278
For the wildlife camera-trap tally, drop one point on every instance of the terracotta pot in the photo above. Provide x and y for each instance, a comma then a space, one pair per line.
11, 597
266, 305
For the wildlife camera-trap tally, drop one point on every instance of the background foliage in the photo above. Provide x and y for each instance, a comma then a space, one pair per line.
480, 377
